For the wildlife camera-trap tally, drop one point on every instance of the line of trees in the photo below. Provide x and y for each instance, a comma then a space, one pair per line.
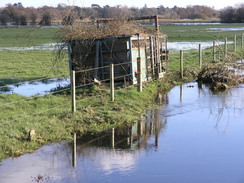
17, 14
233, 14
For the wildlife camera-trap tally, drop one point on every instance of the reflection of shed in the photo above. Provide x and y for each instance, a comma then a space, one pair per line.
131, 136
123, 51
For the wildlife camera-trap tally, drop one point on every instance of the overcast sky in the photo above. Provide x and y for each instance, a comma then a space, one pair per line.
217, 4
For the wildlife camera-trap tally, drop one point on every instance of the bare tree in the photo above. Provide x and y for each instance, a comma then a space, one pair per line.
46, 19
23, 20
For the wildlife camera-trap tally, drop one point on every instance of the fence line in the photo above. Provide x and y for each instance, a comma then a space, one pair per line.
92, 83
111, 76
33, 114
91, 69
222, 52
123, 76
181, 64
74, 100
124, 63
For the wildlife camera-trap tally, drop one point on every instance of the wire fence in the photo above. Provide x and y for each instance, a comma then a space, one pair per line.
81, 94
103, 81
197, 54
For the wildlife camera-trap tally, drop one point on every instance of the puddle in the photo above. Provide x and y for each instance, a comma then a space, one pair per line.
176, 46
47, 46
195, 137
30, 88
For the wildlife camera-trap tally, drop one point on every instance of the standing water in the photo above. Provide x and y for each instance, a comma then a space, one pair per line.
197, 137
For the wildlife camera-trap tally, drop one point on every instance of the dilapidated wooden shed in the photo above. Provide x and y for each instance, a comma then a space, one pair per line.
121, 42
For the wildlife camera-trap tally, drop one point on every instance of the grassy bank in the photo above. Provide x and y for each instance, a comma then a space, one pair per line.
50, 116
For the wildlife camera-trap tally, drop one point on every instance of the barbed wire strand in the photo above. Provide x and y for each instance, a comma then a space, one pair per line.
33, 114
86, 70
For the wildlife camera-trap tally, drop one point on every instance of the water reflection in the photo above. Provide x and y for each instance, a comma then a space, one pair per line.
94, 152
30, 88
117, 149
221, 106
196, 137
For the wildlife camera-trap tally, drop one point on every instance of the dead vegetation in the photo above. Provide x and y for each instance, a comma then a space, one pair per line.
112, 29
94, 45
221, 76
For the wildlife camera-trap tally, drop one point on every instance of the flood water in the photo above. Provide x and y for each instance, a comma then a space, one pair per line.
176, 46
47, 46
40, 87
196, 137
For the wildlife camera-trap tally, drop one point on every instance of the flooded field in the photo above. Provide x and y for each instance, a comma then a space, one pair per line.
30, 88
195, 137
47, 46
176, 46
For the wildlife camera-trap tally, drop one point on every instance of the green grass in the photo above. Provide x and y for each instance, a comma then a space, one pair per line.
17, 66
191, 58
50, 116
191, 33
28, 65
25, 37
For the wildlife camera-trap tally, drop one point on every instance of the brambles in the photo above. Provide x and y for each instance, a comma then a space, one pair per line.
221, 76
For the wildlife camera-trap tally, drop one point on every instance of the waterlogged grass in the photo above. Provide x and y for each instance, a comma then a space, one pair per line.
50, 116
19, 66
191, 58
202, 32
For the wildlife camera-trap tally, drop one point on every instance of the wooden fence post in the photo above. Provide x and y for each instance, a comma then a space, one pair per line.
166, 54
113, 138
158, 55
111, 68
214, 50
226, 47
152, 57
181, 64
139, 75
242, 40
74, 150
200, 56
97, 59
73, 92
235, 42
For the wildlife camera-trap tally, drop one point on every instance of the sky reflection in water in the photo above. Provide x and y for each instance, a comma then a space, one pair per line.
196, 137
